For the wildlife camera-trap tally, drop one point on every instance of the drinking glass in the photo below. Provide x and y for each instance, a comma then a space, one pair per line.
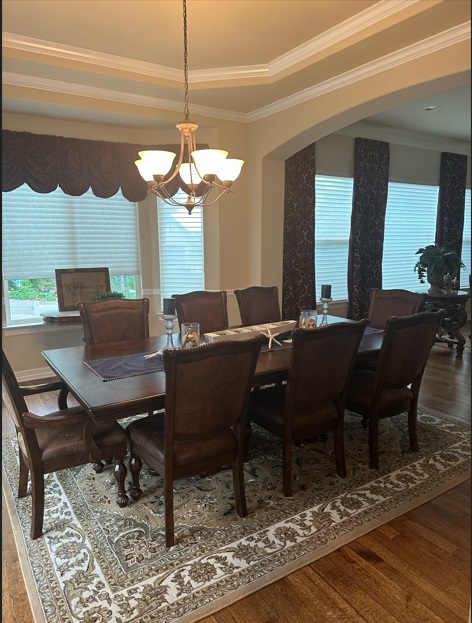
190, 334
308, 319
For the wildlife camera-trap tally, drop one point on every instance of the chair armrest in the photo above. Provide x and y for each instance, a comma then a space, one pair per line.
58, 419
29, 390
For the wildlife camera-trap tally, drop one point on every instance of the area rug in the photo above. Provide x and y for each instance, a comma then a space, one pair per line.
99, 563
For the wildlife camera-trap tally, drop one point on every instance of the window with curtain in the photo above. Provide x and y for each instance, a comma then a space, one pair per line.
42, 232
181, 250
410, 223
333, 207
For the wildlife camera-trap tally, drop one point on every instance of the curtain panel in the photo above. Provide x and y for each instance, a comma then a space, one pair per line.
369, 204
451, 201
298, 291
45, 162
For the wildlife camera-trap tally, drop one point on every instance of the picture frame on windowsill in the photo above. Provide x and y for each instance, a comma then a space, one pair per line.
80, 285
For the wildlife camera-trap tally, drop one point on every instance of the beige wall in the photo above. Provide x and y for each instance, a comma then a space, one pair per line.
244, 232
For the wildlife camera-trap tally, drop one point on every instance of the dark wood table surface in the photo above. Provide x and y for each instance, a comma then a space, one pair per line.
113, 400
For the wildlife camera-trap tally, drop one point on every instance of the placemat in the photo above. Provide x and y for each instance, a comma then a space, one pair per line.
114, 368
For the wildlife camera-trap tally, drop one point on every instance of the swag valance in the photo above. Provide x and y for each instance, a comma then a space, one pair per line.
45, 162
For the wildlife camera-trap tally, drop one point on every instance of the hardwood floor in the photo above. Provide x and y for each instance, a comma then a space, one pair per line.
414, 569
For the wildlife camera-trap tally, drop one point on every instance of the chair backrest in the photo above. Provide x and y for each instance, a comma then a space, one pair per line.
14, 392
386, 303
405, 349
258, 305
209, 309
208, 387
322, 364
115, 320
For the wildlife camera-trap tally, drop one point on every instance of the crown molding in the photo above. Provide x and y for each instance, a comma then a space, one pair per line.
346, 29
405, 137
81, 90
430, 45
280, 65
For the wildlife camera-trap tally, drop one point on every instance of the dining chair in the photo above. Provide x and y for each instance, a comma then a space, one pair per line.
258, 305
312, 401
114, 320
208, 308
386, 303
207, 391
394, 386
56, 441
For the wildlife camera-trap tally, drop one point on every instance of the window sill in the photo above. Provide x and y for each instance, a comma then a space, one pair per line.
39, 327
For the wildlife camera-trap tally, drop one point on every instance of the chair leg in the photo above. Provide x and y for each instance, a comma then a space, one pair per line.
98, 467
238, 485
37, 497
287, 465
169, 508
374, 443
339, 450
135, 465
413, 429
120, 477
23, 479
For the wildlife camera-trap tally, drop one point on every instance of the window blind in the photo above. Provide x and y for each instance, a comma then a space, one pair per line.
410, 223
333, 207
466, 252
43, 232
181, 251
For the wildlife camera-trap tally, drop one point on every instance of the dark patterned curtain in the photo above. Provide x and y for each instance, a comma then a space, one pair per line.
369, 203
298, 290
451, 201
75, 165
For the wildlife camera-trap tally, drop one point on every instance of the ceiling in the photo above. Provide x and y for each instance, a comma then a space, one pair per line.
108, 62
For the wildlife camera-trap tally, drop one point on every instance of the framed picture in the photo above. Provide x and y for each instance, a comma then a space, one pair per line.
80, 285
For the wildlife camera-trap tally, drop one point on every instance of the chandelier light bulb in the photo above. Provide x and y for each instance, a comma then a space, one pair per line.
158, 162
189, 175
229, 169
208, 161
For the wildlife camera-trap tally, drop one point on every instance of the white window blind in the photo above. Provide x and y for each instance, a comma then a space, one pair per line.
42, 232
466, 254
410, 223
181, 251
333, 207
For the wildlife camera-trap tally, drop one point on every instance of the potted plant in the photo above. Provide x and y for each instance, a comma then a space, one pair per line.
105, 296
435, 263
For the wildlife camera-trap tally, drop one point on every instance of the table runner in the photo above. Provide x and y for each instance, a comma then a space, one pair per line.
114, 368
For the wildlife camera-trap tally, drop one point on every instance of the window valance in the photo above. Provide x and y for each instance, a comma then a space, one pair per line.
45, 162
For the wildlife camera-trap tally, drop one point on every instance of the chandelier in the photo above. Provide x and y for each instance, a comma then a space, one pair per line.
204, 171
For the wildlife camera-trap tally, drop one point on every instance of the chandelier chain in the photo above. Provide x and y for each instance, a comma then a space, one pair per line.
186, 109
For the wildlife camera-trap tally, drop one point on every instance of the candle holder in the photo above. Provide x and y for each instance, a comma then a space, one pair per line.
170, 319
325, 301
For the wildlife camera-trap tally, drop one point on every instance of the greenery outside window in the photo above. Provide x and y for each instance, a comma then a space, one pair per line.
42, 232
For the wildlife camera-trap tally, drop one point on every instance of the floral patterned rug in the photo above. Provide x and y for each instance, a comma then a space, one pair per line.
99, 563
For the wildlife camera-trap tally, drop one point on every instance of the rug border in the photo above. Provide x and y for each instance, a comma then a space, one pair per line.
303, 561
240, 593
31, 591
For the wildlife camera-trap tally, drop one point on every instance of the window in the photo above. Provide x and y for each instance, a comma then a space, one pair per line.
333, 199
42, 232
410, 223
181, 253
466, 254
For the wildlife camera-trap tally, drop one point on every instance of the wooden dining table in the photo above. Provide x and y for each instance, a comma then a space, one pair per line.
133, 395
145, 392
